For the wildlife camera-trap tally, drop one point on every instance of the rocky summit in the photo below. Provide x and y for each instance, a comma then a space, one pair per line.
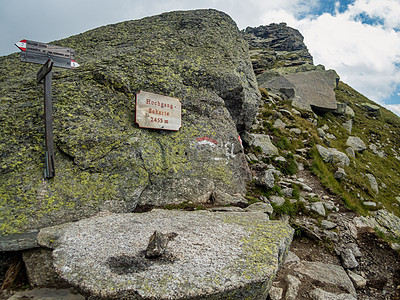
282, 182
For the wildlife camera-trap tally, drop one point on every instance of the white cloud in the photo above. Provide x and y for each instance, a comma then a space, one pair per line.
387, 10
394, 108
365, 56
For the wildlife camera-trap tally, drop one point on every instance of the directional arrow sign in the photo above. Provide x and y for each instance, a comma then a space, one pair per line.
39, 53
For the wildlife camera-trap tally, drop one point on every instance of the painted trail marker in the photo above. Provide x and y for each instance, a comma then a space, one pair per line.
49, 56
158, 111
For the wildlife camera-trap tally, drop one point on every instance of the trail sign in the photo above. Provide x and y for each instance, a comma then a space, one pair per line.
158, 111
39, 53
49, 56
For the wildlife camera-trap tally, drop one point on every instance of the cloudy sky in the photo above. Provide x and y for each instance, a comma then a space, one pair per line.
360, 39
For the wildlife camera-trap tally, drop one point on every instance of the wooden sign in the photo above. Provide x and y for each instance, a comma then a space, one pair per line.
158, 111
39, 53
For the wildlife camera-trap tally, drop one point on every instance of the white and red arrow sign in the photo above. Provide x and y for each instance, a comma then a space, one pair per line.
38, 52
21, 45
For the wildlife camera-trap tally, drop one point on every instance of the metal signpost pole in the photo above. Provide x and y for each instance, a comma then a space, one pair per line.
48, 122
49, 55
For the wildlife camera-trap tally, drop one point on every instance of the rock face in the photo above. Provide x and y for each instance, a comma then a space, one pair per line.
213, 256
103, 160
276, 45
275, 36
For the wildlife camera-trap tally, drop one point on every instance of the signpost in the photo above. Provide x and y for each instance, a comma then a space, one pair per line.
39, 53
49, 56
158, 111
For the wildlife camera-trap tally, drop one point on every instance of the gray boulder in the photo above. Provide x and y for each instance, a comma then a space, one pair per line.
350, 112
373, 183
340, 173
221, 198
312, 90
332, 155
277, 200
214, 255
372, 108
356, 143
264, 142
348, 125
19, 241
279, 124
267, 178
328, 224
389, 221
327, 275
358, 280
104, 161
293, 287
348, 259
320, 294
261, 207
369, 203
319, 208
350, 152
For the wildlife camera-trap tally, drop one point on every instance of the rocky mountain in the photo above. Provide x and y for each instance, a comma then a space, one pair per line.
276, 45
282, 183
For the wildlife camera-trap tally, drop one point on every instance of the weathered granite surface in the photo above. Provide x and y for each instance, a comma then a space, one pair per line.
213, 256
310, 90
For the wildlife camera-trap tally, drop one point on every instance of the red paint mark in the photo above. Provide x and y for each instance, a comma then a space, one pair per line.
240, 141
21, 45
206, 138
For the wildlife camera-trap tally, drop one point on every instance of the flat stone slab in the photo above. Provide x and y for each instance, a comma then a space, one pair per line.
19, 241
312, 89
213, 255
327, 274
47, 294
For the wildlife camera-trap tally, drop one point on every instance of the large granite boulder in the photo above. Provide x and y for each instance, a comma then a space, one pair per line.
212, 255
103, 159
310, 90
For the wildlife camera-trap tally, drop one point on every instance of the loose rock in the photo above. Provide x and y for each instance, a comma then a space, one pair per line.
373, 182
348, 259
327, 274
359, 281
356, 143
319, 294
319, 208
